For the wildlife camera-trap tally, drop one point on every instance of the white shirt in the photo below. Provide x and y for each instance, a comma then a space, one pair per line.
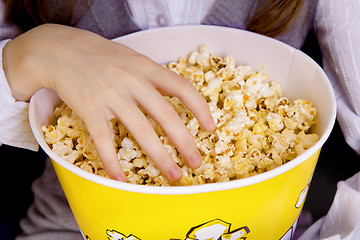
337, 26
152, 14
338, 32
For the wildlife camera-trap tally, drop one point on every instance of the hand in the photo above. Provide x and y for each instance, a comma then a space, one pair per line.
95, 76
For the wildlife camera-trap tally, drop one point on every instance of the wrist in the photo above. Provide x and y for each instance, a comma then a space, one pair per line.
18, 70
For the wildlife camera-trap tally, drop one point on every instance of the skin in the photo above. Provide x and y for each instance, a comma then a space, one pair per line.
100, 79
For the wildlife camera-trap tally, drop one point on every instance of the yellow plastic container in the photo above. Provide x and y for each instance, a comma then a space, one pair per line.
261, 207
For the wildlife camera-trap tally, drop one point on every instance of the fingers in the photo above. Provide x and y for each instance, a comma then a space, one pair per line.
172, 84
165, 115
98, 127
175, 85
146, 137
138, 87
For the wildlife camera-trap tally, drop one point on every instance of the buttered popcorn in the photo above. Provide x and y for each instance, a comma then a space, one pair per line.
257, 129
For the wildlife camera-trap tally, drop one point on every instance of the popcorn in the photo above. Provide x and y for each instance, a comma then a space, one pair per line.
257, 129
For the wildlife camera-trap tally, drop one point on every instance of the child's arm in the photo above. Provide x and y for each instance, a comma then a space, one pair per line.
97, 78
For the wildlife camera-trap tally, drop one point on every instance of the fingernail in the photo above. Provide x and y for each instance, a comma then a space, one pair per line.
196, 160
119, 177
175, 173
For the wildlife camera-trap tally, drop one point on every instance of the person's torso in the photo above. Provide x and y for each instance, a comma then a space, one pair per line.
113, 18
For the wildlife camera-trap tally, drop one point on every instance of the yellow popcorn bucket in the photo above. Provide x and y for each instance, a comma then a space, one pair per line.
265, 206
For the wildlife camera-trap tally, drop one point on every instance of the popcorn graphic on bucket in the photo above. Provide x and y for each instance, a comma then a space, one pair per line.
216, 229
114, 235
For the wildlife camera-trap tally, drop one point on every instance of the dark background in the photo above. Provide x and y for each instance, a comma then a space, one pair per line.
19, 168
